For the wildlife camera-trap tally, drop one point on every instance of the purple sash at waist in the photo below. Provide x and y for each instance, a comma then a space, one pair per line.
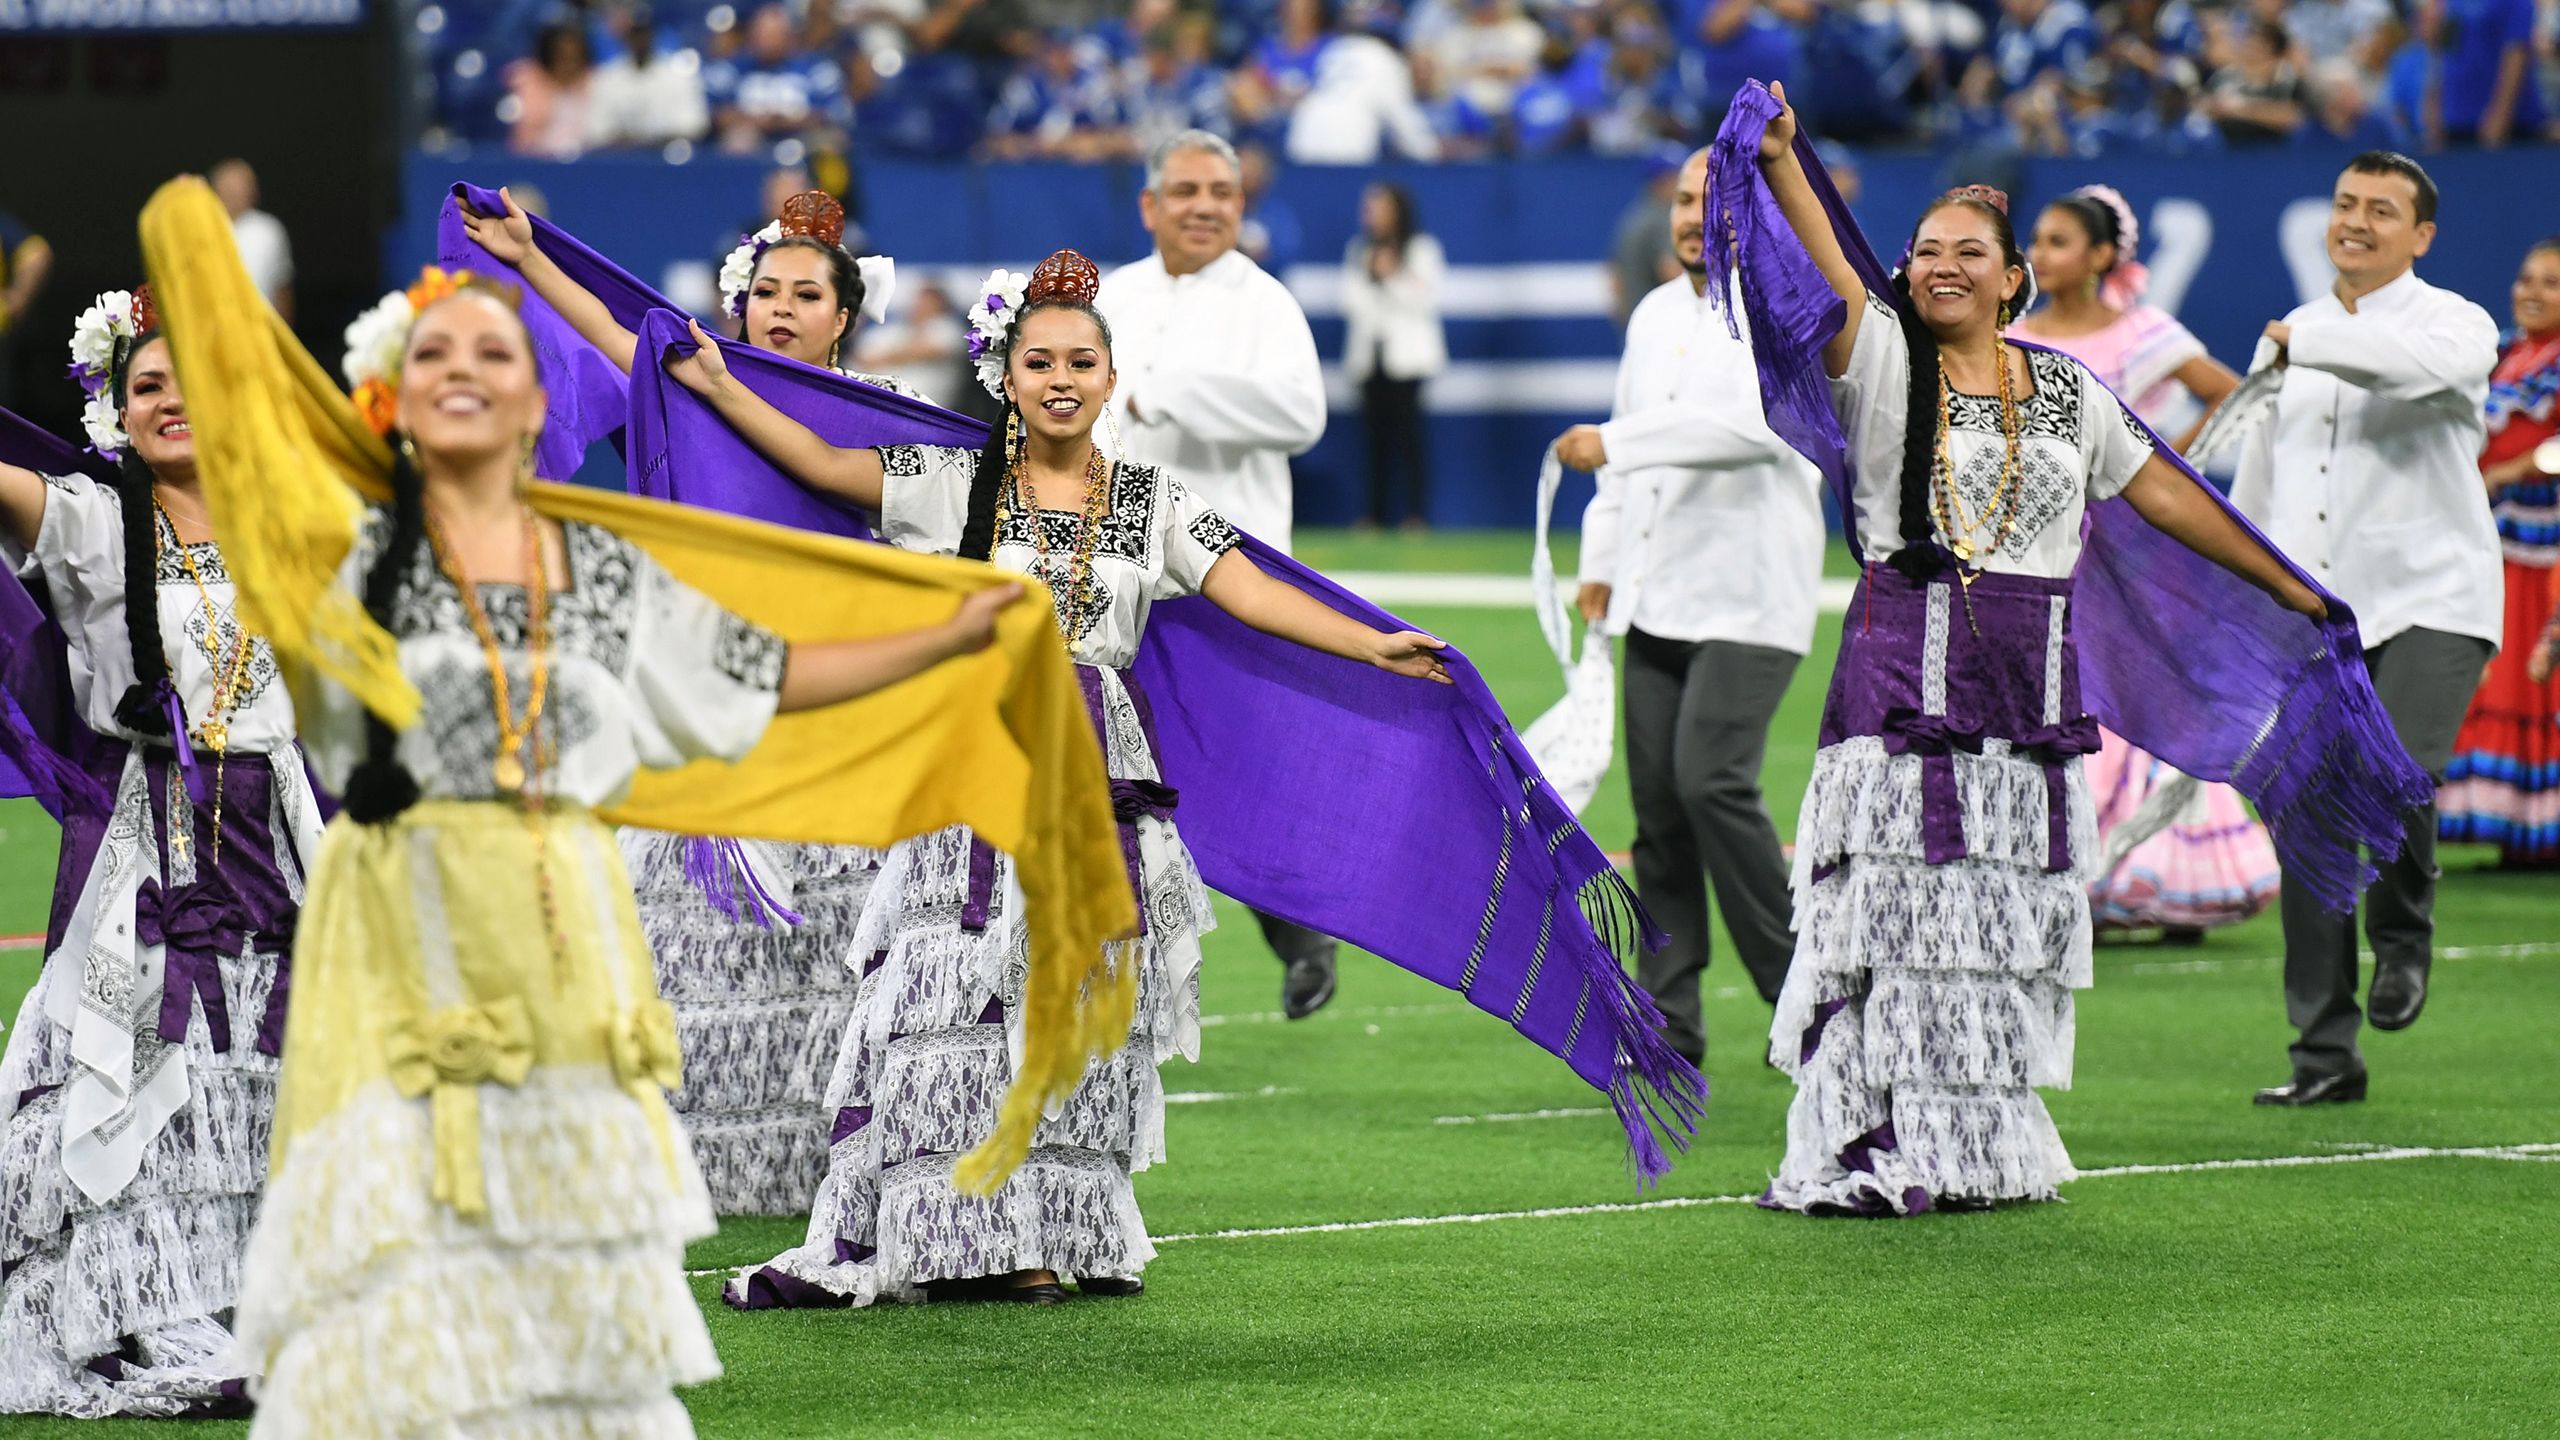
243, 894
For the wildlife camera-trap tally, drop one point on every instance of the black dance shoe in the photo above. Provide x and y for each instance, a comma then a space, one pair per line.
1110, 1287
1308, 986
1047, 1292
2399, 992
2304, 1089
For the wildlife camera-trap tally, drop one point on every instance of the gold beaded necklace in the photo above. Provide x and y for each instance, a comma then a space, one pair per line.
1946, 502
508, 770
1014, 498
229, 673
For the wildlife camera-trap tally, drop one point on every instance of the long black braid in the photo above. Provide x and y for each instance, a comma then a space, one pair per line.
381, 786
141, 710
978, 532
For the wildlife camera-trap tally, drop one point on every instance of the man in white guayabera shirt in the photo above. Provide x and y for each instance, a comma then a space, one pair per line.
1704, 547
2368, 476
1219, 384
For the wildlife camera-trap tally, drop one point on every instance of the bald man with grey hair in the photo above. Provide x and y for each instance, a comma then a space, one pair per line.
1703, 547
1219, 385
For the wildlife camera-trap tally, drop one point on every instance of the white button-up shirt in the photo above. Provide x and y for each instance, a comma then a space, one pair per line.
2369, 473
1706, 524
1223, 367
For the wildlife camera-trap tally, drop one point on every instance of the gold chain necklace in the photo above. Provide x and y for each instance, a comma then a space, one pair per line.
1946, 501
214, 731
508, 771
1097, 477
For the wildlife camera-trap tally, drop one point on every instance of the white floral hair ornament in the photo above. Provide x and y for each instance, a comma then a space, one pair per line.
819, 216
378, 340
991, 324
101, 342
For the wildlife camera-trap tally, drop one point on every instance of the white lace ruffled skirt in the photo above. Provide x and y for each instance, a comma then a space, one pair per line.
759, 1010
1942, 909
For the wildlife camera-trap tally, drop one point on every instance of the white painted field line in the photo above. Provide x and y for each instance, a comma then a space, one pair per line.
2528, 950
1570, 1113
20, 942
1212, 1097
2530, 1152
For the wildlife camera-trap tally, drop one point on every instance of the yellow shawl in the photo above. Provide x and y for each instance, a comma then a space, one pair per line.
999, 741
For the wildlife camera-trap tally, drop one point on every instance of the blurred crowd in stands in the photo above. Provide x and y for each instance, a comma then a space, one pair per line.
1350, 81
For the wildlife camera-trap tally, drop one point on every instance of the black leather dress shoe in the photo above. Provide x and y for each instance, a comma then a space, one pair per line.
1306, 987
1109, 1286
2305, 1089
2399, 992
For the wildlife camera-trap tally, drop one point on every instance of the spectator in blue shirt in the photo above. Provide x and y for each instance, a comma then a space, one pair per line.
1280, 69
2037, 37
773, 88
2485, 86
1551, 114
1062, 105
2345, 116
1171, 87
1726, 42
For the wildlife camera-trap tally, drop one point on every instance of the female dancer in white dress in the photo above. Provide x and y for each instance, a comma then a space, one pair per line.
925, 1064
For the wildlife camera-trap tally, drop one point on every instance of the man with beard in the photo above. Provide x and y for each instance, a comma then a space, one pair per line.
2368, 476
1219, 384
1704, 547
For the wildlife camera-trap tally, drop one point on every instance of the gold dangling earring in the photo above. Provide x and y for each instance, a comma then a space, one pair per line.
408, 448
1013, 433
1111, 430
524, 460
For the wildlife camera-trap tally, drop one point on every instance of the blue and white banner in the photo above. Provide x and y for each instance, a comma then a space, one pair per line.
142, 17
2233, 242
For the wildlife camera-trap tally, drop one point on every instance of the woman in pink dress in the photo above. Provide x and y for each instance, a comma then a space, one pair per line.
2177, 855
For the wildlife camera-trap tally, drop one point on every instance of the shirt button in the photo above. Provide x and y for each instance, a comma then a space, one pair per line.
2324, 514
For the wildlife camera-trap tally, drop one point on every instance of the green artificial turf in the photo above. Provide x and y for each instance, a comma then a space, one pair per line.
2394, 1296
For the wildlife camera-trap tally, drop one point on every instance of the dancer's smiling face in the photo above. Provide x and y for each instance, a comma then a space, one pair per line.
793, 306
1964, 270
155, 414
468, 384
2374, 230
1059, 371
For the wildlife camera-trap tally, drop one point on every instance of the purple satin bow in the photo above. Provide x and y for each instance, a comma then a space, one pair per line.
195, 925
193, 774
1935, 739
2054, 747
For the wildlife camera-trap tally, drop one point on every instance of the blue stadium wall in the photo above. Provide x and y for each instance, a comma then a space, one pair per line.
2233, 242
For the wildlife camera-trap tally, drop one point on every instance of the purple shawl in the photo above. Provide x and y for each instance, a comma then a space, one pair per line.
1401, 816
43, 744
2178, 655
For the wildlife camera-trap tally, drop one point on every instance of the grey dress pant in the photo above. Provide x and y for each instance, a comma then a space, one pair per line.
1698, 718
1294, 942
2425, 679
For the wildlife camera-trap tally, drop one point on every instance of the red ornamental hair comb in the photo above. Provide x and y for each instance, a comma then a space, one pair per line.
816, 214
1981, 194
146, 311
1065, 276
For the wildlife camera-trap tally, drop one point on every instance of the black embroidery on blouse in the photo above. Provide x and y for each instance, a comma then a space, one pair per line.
1128, 531
461, 714
169, 568
1213, 533
592, 617
2133, 427
224, 624
2053, 412
748, 653
2047, 489
904, 462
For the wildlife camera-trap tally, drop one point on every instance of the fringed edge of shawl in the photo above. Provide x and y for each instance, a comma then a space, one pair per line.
2322, 802
1655, 1092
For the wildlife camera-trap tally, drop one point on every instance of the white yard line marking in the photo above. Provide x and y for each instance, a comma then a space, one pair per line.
2528, 950
2547, 1153
1574, 1113
2531, 1152
1211, 1097
20, 942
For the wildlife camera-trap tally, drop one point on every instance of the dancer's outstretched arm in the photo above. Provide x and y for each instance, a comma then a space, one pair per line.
509, 238
854, 474
825, 672
1796, 200
21, 504
2181, 507
1238, 586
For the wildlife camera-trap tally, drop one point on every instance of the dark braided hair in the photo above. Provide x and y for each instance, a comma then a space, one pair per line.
1921, 556
2097, 221
381, 786
978, 532
141, 710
